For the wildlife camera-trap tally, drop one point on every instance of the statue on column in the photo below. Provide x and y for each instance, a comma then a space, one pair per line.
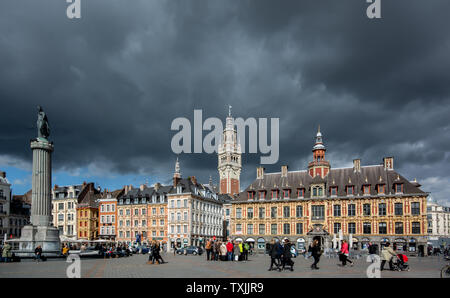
42, 124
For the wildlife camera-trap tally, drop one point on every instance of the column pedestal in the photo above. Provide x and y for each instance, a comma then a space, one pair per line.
40, 232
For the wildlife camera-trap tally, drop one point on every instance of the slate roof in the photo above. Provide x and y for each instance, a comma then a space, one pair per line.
89, 196
340, 177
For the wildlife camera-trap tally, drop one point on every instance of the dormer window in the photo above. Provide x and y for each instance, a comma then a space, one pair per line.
286, 193
317, 191
398, 187
333, 190
300, 192
262, 194
350, 190
381, 188
274, 194
250, 195
366, 190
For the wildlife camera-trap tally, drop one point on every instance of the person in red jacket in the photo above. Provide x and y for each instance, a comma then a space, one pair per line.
344, 253
230, 250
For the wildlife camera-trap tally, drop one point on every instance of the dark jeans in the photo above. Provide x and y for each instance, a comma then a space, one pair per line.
274, 261
316, 261
345, 259
384, 262
208, 254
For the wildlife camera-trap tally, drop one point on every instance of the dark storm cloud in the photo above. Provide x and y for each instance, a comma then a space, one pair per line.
112, 82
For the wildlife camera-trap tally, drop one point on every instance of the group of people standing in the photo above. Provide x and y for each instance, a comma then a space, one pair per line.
230, 251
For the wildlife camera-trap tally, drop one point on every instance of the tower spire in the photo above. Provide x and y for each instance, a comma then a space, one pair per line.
176, 174
177, 169
319, 166
229, 158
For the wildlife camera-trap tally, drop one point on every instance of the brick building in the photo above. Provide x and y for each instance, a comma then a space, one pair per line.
367, 203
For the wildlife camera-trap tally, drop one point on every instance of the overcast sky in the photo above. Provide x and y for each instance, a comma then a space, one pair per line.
112, 82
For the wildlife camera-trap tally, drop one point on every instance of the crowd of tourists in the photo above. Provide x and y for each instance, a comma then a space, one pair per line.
227, 251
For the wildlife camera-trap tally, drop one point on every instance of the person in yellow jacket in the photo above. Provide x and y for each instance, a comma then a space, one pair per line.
65, 250
241, 251
386, 256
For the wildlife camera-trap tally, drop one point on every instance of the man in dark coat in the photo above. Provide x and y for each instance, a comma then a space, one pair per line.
287, 255
275, 255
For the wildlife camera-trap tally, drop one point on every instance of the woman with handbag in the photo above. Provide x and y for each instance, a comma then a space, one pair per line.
344, 254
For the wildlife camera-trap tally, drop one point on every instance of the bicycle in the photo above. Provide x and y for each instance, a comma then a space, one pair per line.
445, 271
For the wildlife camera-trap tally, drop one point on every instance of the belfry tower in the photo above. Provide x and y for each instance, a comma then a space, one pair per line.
229, 155
319, 166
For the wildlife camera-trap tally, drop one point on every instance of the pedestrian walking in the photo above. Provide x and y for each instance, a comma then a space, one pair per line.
386, 256
372, 251
345, 253
273, 253
316, 252
287, 255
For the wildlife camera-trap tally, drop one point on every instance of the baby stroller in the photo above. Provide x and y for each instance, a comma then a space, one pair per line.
401, 263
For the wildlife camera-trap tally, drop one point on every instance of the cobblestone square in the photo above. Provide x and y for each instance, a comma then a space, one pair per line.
197, 267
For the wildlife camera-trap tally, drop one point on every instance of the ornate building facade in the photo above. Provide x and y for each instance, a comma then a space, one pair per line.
229, 159
5, 202
87, 212
107, 214
438, 218
142, 214
195, 212
366, 203
64, 204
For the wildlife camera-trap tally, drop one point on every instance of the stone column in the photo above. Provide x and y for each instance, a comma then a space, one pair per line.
41, 204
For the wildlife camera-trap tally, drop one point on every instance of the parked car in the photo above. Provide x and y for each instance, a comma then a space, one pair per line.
195, 250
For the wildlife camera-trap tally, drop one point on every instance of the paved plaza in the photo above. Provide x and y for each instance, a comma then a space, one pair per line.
197, 267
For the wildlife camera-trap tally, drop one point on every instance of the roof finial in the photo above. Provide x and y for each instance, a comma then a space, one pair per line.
318, 130
229, 110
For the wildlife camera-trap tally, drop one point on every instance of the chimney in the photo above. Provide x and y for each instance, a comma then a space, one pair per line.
56, 186
3, 174
141, 187
357, 165
157, 186
388, 163
259, 173
194, 180
284, 171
